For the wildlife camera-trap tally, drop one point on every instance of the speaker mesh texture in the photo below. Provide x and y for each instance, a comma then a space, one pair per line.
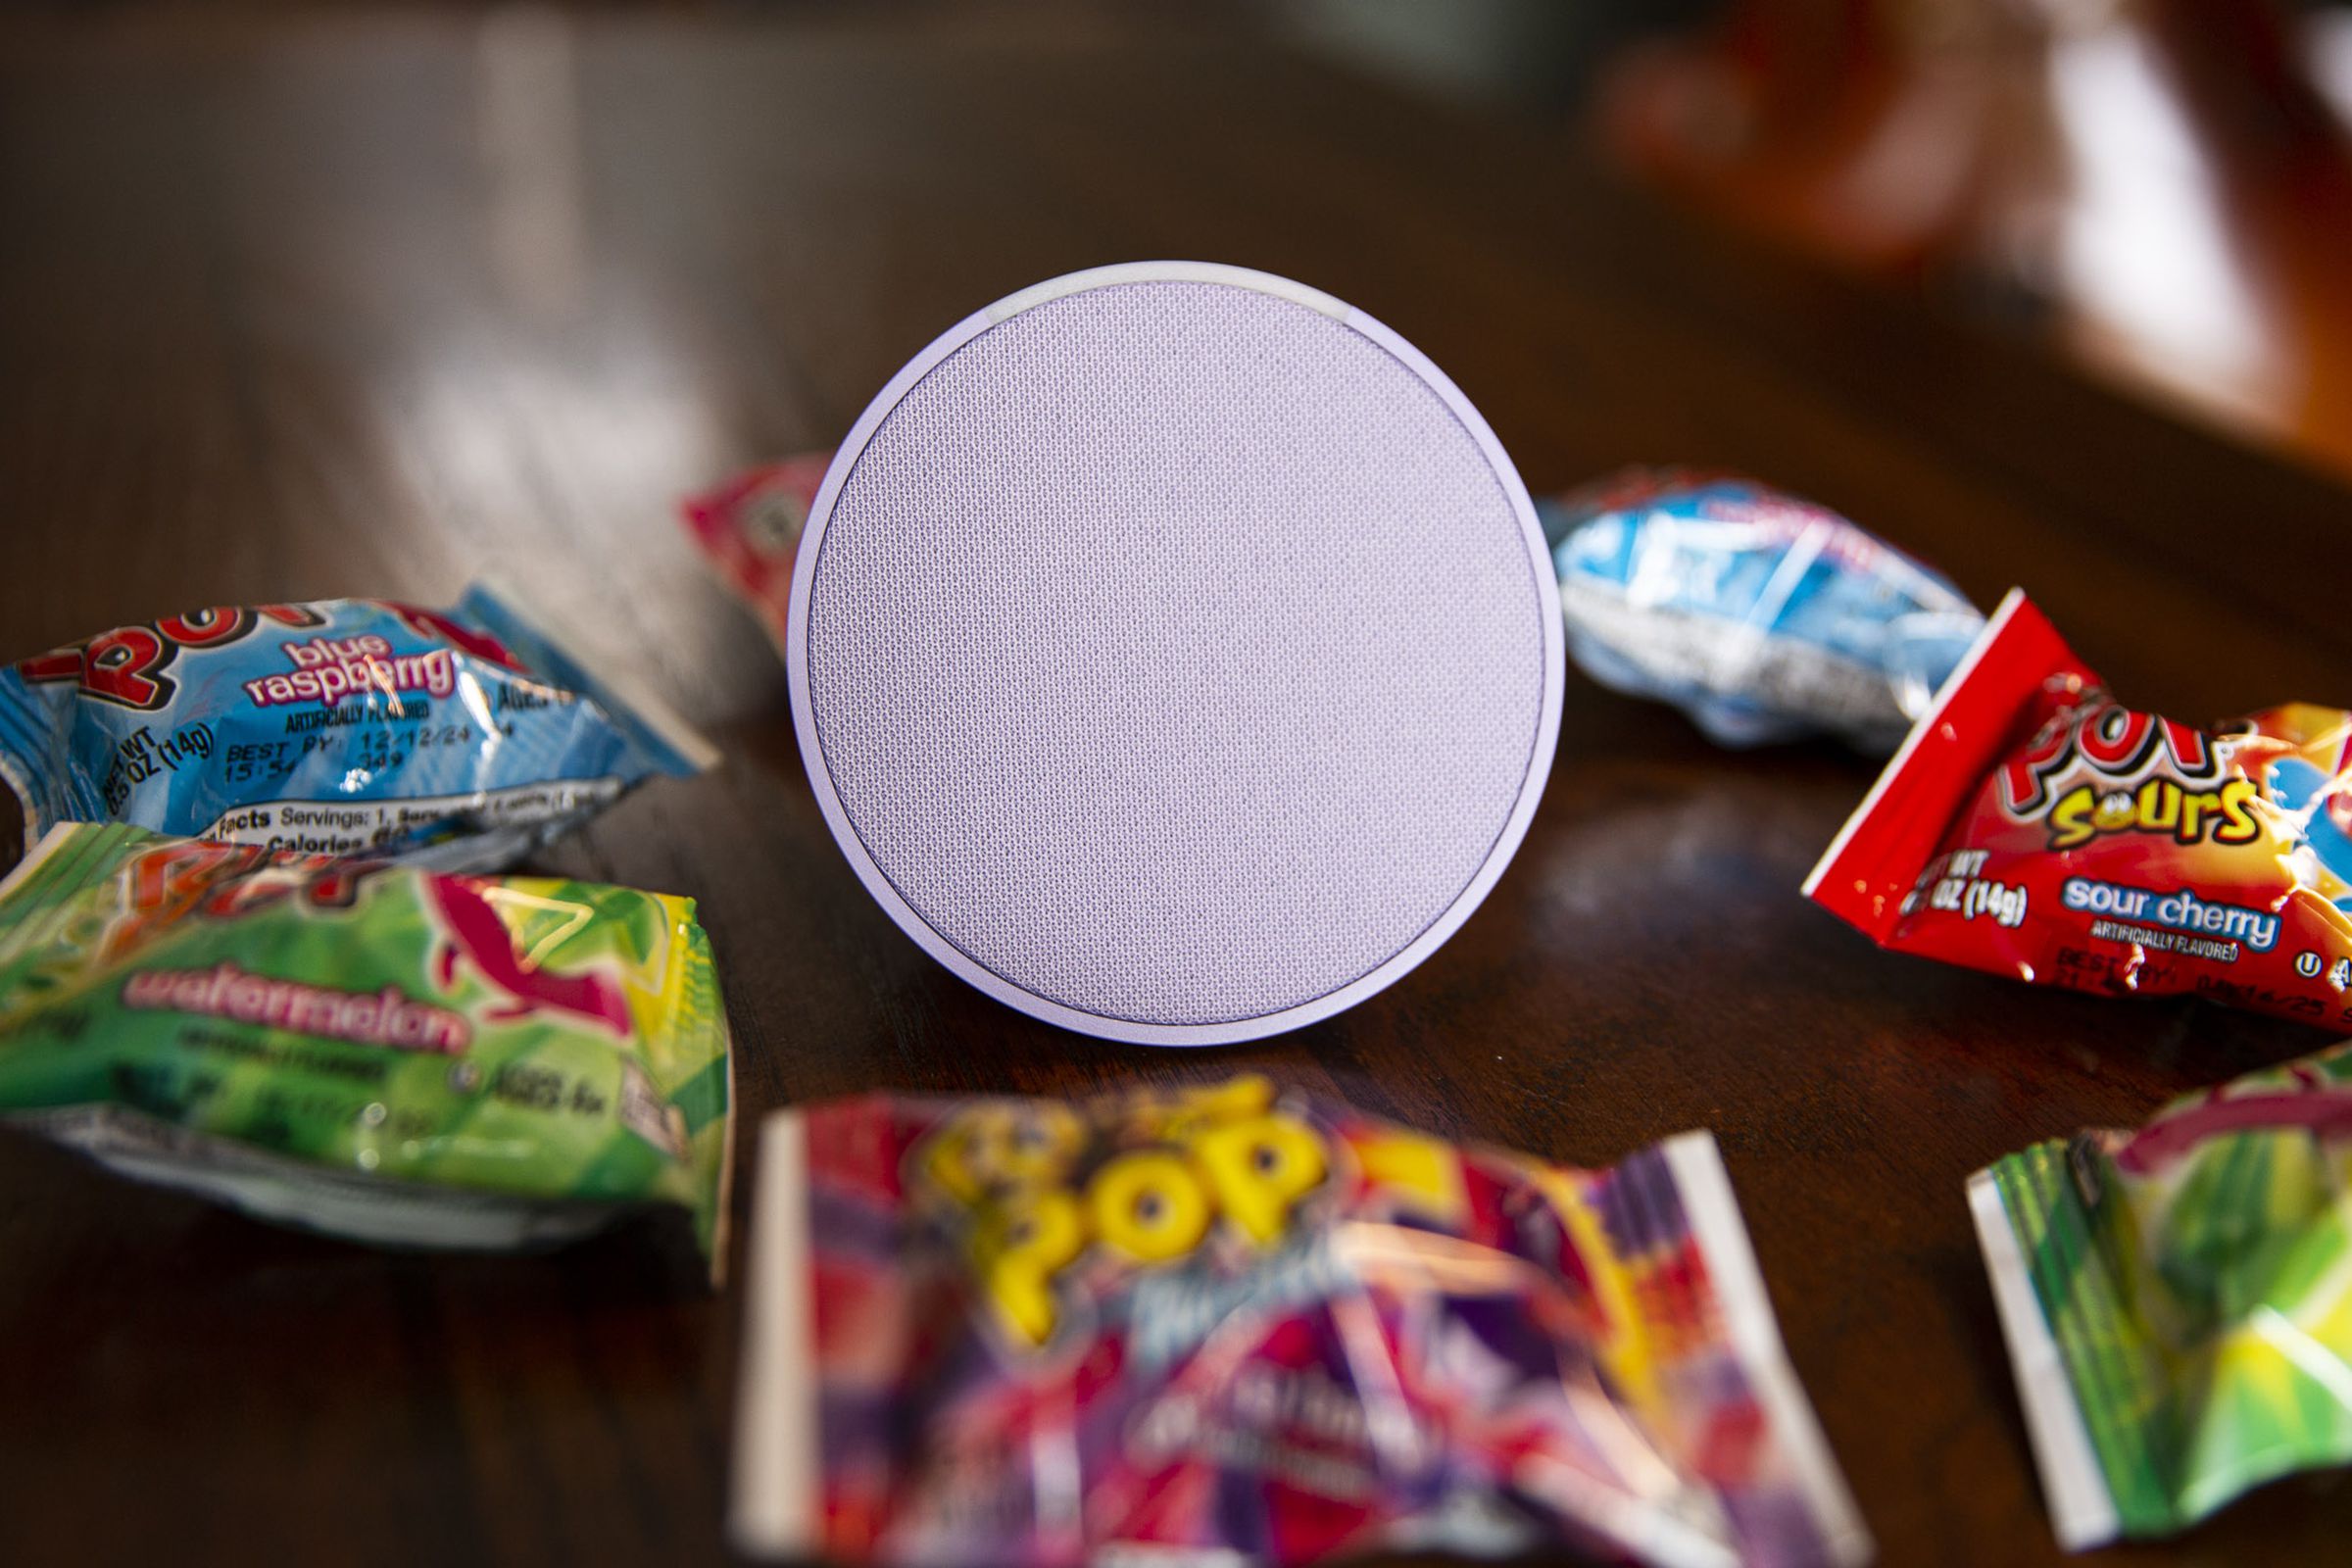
1175, 652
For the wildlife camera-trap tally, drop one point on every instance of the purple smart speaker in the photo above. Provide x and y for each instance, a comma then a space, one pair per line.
1175, 652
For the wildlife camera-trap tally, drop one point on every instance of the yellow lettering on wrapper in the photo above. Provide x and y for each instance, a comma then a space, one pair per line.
2194, 810
1175, 1116
994, 1145
950, 1163
1017, 1248
1259, 1168
1022, 1179
2070, 818
1623, 1338
1424, 1171
2240, 826
2159, 806
1150, 1205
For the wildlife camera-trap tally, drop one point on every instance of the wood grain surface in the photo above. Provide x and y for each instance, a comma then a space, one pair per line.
361, 303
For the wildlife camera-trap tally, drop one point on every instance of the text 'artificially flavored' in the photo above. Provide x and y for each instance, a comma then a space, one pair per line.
2034, 827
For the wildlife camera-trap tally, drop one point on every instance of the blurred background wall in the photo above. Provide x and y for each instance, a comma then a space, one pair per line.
2159, 190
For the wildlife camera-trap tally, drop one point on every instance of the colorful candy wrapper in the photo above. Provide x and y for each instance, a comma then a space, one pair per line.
2177, 1301
1232, 1325
456, 739
2035, 827
1762, 616
749, 529
368, 1049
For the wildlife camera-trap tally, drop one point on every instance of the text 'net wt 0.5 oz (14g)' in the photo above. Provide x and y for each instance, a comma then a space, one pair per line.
2033, 826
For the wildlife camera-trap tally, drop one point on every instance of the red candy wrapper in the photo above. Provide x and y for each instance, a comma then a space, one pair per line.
749, 528
1232, 1325
2033, 826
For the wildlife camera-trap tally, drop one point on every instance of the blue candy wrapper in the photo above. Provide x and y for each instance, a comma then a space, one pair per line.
452, 739
1762, 616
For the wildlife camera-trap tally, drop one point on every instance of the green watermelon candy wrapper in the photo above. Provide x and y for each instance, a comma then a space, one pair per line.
2177, 1301
365, 1050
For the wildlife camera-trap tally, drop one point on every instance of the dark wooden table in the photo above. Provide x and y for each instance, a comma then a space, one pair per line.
354, 304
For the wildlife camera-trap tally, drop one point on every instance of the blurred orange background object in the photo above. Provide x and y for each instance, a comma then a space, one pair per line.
2166, 185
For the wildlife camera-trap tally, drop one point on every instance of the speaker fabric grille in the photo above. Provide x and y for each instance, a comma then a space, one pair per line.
1175, 652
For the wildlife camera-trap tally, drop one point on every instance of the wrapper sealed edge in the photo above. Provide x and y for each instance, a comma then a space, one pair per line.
832, 1335
1874, 860
363, 1049
2177, 1301
2083, 1512
455, 738
2032, 826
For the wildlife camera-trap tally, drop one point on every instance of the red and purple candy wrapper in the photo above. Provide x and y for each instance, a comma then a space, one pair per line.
1236, 1324
2033, 826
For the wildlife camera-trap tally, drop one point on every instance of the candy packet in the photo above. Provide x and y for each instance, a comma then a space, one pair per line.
1763, 618
363, 1049
2033, 826
750, 531
1245, 1325
456, 739
2177, 1302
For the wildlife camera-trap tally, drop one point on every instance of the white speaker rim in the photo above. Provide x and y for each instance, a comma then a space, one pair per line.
925, 935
